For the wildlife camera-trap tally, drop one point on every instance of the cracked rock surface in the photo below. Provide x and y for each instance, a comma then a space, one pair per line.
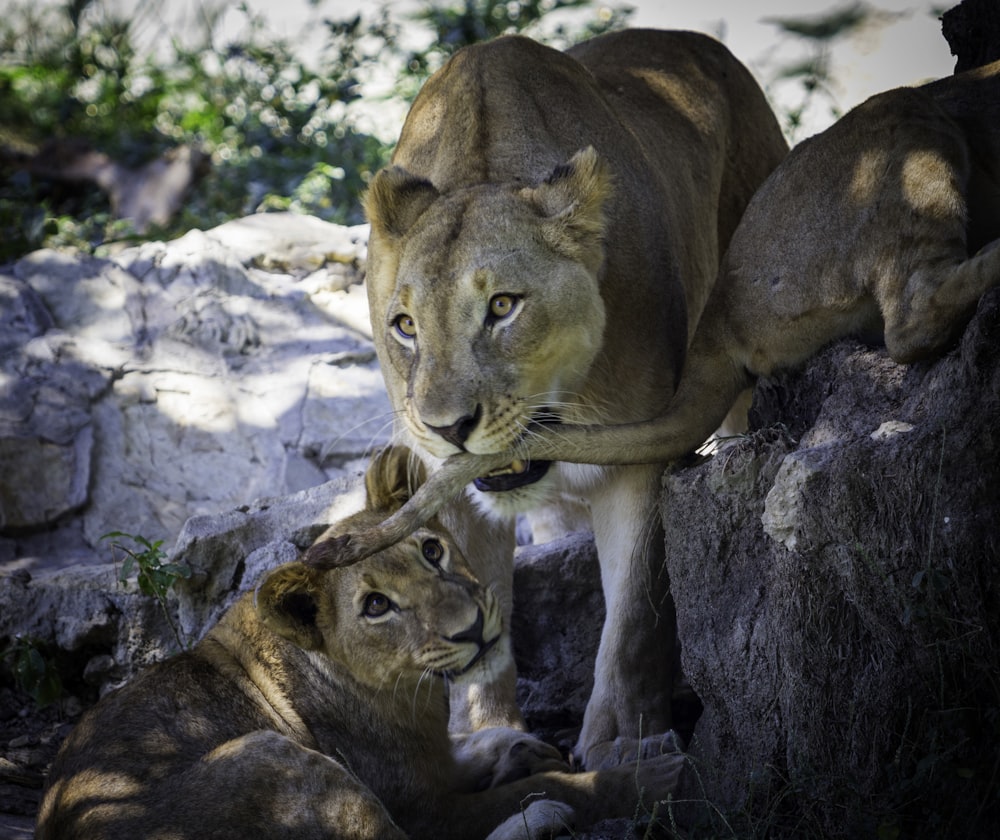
177, 379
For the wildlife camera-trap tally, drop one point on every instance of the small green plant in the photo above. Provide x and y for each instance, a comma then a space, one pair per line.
33, 671
154, 576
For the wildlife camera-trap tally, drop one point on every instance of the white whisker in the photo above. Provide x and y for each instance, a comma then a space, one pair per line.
428, 676
385, 420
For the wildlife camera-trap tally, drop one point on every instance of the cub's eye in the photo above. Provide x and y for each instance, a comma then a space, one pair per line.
405, 326
376, 605
501, 306
433, 551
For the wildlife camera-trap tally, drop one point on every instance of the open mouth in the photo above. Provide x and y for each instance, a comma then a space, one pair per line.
514, 475
519, 473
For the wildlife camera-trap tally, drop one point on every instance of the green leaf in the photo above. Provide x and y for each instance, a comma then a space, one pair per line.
126, 570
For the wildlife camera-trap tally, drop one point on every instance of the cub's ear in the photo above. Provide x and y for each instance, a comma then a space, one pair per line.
393, 476
571, 202
395, 199
286, 603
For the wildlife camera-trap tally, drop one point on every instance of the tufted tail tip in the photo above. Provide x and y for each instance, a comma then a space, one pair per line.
331, 553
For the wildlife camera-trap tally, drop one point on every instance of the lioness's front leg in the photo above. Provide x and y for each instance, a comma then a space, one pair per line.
633, 676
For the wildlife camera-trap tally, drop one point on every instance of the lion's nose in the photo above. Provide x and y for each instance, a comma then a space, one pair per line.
458, 432
473, 633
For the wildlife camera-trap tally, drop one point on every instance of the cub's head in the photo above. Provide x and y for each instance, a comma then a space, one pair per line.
411, 610
485, 304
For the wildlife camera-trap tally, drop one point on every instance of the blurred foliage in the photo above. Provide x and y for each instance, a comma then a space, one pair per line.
281, 133
455, 26
811, 74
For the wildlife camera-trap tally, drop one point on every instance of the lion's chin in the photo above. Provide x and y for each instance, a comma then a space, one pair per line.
507, 502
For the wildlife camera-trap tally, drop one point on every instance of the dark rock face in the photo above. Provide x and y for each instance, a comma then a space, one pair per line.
837, 581
558, 615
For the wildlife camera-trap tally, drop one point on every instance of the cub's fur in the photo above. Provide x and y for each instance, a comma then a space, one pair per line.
541, 252
316, 708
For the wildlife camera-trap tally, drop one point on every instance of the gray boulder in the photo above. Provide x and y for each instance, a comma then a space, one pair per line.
837, 581
179, 379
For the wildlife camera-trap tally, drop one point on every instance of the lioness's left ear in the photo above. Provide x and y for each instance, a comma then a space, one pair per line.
393, 476
286, 603
395, 200
571, 201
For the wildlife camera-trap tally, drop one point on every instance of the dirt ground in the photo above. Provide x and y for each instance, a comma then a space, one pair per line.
29, 740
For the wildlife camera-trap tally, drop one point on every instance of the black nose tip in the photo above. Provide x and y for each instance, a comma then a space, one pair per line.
458, 432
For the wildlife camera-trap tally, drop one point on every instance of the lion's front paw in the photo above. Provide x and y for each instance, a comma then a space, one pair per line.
496, 756
606, 754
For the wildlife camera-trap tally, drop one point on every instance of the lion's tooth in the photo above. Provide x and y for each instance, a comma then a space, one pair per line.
518, 467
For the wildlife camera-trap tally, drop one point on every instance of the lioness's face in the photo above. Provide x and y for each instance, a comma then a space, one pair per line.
489, 328
486, 306
412, 610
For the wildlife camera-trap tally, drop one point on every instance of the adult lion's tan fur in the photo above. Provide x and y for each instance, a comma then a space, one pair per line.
885, 224
541, 250
316, 709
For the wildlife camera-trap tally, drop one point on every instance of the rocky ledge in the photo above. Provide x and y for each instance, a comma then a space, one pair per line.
836, 571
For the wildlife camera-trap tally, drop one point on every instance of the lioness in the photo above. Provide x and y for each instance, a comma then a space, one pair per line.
886, 226
541, 251
316, 708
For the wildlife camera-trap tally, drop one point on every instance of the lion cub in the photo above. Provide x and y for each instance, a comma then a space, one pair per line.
317, 707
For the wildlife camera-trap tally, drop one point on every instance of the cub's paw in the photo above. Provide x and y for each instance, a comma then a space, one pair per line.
496, 756
606, 754
540, 820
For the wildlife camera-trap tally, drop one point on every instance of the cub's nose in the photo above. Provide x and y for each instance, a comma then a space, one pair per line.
458, 432
473, 633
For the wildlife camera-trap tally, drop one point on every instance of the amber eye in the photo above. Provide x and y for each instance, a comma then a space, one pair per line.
376, 605
501, 306
405, 326
433, 551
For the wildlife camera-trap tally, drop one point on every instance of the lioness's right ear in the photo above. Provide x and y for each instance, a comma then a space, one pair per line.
395, 199
393, 476
286, 603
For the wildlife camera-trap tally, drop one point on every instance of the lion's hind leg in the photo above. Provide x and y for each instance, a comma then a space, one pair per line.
925, 282
273, 787
936, 302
